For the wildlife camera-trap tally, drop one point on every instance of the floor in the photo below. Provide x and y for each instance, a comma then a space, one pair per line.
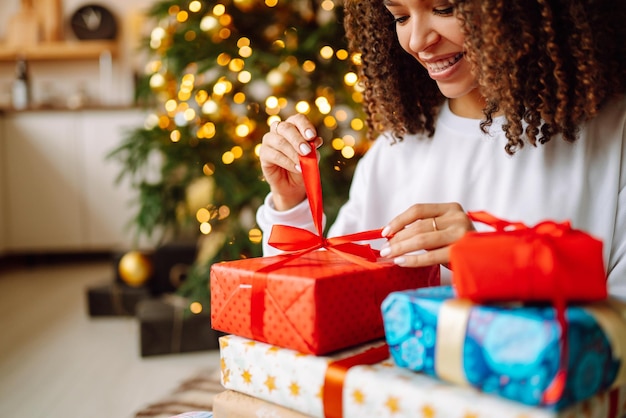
56, 361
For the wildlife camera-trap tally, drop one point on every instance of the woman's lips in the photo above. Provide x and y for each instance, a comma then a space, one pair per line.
439, 67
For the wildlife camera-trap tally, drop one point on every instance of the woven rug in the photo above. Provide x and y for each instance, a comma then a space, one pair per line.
193, 394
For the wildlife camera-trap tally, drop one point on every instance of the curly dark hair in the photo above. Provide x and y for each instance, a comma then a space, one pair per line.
549, 64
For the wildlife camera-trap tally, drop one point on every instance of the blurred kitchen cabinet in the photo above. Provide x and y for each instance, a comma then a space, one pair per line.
60, 191
43, 181
107, 204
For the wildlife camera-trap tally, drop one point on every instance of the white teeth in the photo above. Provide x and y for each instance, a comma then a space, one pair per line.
439, 66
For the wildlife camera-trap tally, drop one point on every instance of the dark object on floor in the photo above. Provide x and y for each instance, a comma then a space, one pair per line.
171, 263
114, 299
166, 327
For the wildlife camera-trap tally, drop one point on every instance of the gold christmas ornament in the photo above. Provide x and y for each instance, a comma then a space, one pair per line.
135, 268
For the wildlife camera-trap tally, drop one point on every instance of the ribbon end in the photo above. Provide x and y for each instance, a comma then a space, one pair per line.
554, 392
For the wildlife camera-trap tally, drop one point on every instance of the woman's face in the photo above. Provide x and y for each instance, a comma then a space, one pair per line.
429, 31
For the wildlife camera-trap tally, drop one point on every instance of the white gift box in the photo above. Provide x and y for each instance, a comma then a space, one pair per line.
296, 381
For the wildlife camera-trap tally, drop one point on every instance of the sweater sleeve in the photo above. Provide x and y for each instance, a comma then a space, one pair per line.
617, 259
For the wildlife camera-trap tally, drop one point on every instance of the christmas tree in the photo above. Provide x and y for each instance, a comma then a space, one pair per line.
218, 73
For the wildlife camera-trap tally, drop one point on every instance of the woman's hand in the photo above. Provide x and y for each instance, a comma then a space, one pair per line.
430, 227
279, 153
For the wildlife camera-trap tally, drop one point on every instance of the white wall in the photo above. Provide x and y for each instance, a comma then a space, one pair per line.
61, 79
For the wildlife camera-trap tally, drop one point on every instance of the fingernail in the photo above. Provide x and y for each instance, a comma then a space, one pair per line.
385, 251
309, 134
399, 261
298, 168
305, 149
385, 231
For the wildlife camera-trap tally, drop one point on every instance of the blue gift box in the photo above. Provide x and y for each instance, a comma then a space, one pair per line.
509, 350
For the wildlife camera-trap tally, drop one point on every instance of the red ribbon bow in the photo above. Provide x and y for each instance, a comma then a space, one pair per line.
297, 241
546, 227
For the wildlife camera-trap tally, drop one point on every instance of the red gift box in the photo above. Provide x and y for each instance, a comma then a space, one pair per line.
323, 295
548, 262
317, 303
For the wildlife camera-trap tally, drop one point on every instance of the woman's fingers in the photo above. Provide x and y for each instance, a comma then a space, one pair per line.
424, 258
276, 150
279, 155
293, 136
298, 131
286, 141
422, 234
424, 213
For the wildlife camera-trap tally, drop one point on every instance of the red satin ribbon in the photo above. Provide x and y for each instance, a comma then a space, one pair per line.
546, 227
332, 393
614, 405
554, 391
297, 241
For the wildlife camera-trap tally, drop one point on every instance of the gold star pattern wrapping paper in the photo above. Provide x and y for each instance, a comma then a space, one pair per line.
279, 375
293, 380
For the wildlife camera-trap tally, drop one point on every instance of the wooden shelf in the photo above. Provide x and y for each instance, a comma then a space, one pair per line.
58, 51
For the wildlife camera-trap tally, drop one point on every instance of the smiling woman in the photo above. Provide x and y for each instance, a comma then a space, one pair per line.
516, 107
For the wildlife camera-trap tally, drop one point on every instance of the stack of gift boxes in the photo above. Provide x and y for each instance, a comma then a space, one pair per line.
285, 319
449, 357
317, 332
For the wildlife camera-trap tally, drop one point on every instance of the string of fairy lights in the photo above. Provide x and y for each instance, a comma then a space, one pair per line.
218, 100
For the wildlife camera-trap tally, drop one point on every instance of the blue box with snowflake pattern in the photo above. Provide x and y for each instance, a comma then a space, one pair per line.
513, 350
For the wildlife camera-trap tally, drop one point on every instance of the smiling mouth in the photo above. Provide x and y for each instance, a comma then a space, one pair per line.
439, 66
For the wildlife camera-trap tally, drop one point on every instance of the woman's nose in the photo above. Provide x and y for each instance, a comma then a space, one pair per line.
423, 35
